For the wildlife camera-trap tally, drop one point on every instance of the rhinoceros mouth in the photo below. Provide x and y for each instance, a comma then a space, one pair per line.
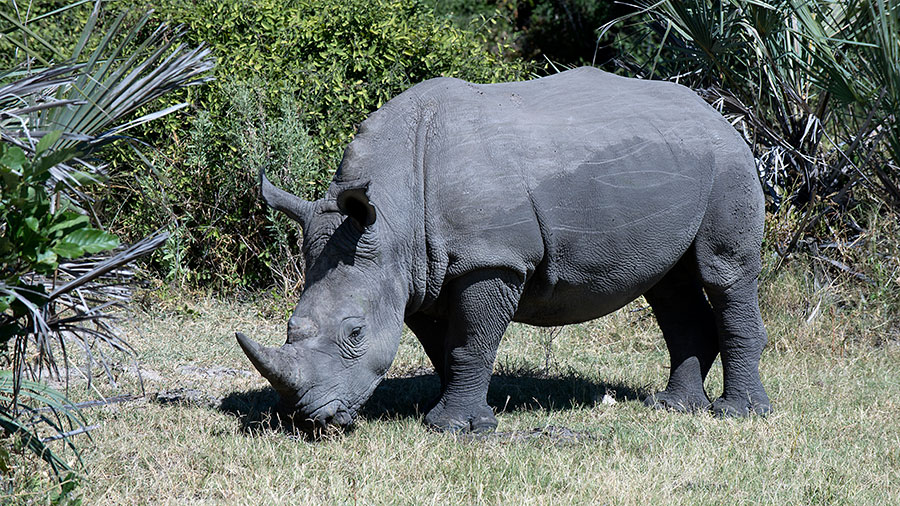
334, 413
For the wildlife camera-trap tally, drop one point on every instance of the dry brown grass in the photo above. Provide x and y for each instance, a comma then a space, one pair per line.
832, 374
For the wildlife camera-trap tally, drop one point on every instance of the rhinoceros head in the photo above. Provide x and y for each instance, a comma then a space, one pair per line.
345, 330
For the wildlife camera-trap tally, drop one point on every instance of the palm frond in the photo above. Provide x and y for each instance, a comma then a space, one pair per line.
112, 87
91, 100
24, 408
54, 117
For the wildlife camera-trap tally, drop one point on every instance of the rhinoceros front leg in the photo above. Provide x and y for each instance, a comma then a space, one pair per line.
432, 333
482, 305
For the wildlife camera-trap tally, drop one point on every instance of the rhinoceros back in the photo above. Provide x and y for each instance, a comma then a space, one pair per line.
589, 185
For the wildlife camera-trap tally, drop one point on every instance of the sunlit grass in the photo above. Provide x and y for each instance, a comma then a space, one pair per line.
832, 439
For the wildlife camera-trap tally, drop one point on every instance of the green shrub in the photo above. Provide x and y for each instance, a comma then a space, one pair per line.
45, 31
561, 31
210, 203
564, 31
37, 235
294, 81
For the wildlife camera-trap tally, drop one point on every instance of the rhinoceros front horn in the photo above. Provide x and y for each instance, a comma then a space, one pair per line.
298, 209
275, 364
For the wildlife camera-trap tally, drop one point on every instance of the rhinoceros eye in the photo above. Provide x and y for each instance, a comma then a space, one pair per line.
352, 342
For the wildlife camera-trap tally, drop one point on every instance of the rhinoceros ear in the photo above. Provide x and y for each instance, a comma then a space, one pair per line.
298, 209
354, 202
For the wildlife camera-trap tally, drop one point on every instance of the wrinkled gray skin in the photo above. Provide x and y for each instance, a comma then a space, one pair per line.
460, 207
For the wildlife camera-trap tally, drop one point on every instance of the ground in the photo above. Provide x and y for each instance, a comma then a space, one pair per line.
572, 428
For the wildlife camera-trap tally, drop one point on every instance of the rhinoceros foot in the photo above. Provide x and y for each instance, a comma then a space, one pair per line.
682, 402
750, 403
474, 419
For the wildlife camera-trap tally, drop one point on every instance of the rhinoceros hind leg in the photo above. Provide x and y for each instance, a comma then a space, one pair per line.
483, 304
689, 328
742, 340
727, 248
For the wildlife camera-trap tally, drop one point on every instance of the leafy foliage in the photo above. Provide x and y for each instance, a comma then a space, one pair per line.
258, 241
563, 32
58, 276
313, 70
35, 234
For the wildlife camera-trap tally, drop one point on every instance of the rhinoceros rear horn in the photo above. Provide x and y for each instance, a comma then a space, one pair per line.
276, 365
298, 209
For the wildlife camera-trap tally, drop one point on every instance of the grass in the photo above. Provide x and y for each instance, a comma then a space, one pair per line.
209, 436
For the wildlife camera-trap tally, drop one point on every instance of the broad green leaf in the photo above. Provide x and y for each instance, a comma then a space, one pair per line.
68, 250
14, 158
74, 220
55, 157
47, 141
48, 259
32, 223
92, 240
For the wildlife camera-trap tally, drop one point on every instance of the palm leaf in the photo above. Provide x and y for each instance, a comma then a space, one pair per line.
19, 418
90, 101
111, 88
16, 25
105, 90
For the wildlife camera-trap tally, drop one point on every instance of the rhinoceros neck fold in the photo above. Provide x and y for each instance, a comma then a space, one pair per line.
383, 156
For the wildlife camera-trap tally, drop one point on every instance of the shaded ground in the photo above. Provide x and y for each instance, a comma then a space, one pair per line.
408, 396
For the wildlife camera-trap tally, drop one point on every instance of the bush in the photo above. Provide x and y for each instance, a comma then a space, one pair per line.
219, 231
294, 81
564, 31
561, 31
814, 86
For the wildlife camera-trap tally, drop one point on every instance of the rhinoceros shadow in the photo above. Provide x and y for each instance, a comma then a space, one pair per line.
510, 390
411, 395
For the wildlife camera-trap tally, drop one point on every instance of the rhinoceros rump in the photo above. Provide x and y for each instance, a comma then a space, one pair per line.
461, 207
